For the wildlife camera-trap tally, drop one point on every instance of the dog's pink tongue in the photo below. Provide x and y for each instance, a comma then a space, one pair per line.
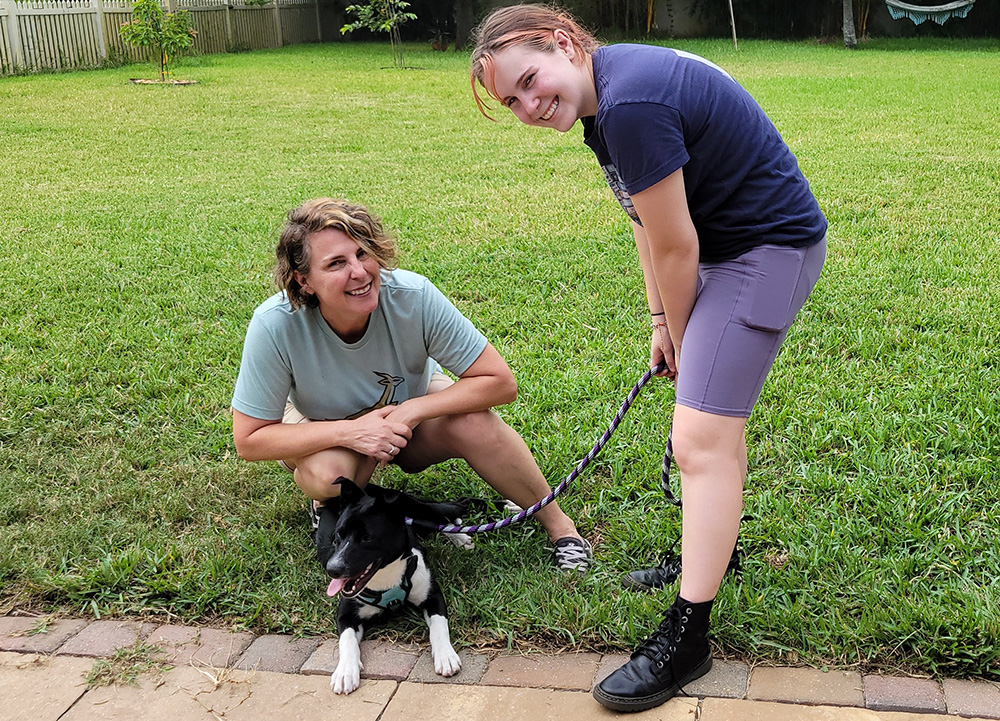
335, 587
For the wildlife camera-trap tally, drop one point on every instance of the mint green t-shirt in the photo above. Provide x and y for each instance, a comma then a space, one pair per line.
296, 356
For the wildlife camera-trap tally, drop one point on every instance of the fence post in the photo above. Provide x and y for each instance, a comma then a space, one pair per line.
14, 35
277, 23
319, 25
229, 25
102, 43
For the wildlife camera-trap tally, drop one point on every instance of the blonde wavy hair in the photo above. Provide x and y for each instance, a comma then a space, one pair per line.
313, 216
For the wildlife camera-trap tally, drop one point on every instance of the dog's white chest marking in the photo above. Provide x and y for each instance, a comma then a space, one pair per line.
366, 612
421, 581
390, 579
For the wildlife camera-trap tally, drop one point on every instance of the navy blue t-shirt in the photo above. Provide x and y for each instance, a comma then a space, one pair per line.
660, 110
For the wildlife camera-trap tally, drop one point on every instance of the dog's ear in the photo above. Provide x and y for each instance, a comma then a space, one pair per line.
388, 495
394, 504
349, 490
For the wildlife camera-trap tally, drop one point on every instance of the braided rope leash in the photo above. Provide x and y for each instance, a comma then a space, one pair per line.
561, 488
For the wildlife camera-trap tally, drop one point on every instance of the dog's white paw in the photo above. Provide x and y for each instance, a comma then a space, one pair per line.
447, 662
462, 540
345, 680
511, 507
347, 676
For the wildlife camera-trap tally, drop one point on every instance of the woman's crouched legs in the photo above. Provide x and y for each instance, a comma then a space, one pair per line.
496, 452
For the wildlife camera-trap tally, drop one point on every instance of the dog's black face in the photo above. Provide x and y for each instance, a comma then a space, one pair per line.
359, 535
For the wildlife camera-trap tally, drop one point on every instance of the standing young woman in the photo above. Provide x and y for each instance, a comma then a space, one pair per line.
731, 242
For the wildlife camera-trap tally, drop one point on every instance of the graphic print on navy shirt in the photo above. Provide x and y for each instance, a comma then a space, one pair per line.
618, 188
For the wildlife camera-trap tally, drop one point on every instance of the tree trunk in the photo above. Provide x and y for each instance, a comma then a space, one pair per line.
465, 17
396, 42
850, 39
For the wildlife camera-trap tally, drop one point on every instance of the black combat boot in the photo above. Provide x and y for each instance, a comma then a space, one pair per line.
676, 654
655, 578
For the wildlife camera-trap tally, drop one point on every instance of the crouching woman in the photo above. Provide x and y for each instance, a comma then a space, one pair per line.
341, 372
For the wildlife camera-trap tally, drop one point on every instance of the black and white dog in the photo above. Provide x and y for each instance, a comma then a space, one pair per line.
376, 565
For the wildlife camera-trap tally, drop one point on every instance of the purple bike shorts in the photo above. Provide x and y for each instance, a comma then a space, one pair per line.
740, 318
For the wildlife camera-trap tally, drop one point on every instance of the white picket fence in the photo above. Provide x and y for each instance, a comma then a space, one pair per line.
62, 34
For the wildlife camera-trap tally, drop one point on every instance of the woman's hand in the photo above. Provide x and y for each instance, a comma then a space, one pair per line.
406, 413
375, 434
662, 349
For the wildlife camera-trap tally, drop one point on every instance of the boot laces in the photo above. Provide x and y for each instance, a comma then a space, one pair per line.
671, 566
660, 646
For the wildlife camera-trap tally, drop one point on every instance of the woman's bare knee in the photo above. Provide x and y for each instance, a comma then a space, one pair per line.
318, 486
703, 440
318, 475
468, 430
455, 436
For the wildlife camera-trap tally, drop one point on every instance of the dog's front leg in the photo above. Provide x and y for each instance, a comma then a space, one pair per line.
446, 661
347, 676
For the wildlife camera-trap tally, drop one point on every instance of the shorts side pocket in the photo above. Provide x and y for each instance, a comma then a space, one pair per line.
777, 275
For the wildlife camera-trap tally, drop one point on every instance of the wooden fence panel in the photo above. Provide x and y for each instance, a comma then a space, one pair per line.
115, 15
298, 23
6, 54
59, 34
211, 26
252, 28
210, 20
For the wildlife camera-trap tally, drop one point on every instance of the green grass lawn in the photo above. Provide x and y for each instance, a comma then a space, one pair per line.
137, 226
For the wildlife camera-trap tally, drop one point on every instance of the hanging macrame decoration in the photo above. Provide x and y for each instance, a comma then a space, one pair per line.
938, 13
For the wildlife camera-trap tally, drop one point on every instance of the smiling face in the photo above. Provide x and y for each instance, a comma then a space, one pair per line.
345, 279
545, 89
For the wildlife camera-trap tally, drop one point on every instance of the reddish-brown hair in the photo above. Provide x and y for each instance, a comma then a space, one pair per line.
532, 26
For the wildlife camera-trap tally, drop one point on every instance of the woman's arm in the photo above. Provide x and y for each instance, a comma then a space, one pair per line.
487, 383
671, 243
652, 292
661, 350
373, 434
